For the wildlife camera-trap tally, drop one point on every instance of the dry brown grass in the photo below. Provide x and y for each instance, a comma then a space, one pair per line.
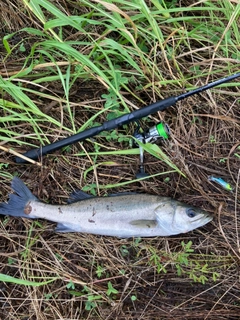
205, 139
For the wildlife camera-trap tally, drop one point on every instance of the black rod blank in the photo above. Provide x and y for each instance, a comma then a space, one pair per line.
124, 119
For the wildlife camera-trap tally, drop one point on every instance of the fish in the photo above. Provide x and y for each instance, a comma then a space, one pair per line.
122, 215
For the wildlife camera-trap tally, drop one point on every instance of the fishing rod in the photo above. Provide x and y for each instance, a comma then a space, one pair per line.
159, 129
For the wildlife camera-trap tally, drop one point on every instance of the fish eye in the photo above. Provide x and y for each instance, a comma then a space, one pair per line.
191, 213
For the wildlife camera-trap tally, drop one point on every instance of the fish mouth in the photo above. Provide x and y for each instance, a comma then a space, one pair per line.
204, 218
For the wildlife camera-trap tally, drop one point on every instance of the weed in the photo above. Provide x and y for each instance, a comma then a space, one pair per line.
111, 290
186, 263
212, 139
100, 271
156, 260
48, 296
92, 299
58, 256
90, 188
11, 261
70, 285
30, 241
122, 272
92, 302
133, 298
124, 250
222, 160
116, 136
3, 166
236, 154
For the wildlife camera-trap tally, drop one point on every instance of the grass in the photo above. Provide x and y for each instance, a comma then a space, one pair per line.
68, 66
6, 278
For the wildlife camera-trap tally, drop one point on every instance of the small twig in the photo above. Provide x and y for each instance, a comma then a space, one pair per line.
20, 155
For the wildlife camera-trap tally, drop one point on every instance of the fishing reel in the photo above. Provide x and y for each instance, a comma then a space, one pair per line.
160, 131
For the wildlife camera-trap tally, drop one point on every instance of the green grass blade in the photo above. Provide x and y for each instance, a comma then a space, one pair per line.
6, 278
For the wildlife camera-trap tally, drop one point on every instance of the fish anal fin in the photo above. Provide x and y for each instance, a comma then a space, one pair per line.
65, 227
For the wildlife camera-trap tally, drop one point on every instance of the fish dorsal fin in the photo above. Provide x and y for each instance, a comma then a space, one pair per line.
124, 193
78, 195
143, 223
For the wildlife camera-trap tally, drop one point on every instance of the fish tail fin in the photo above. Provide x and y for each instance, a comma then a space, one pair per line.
17, 200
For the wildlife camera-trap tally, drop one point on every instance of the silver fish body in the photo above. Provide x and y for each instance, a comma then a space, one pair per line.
123, 215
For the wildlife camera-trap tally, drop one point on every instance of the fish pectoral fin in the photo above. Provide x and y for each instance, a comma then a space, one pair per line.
142, 223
